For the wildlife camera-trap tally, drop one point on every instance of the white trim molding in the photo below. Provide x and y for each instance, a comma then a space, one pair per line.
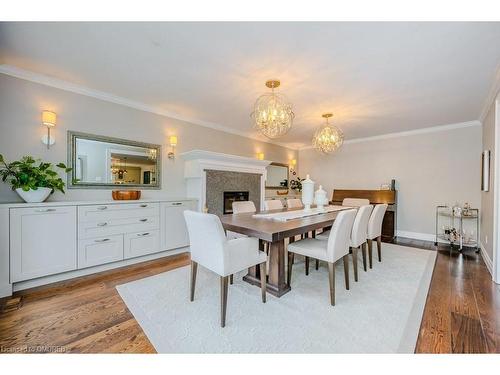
432, 129
416, 235
198, 161
57, 83
487, 259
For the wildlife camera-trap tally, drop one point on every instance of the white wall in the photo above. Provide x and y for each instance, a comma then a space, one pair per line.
433, 168
21, 103
487, 198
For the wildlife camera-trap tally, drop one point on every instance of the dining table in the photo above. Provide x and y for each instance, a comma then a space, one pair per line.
275, 232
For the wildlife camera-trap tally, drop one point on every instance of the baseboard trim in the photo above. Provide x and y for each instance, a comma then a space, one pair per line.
6, 291
417, 236
487, 259
96, 269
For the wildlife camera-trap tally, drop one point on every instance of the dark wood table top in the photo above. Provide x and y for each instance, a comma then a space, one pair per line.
273, 230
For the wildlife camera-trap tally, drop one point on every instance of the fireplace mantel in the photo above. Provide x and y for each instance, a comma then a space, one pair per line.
198, 161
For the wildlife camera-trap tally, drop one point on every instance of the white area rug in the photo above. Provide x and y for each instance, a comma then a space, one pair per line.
380, 314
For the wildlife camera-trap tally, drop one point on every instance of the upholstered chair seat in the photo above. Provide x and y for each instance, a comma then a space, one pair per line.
359, 235
330, 251
211, 249
294, 203
241, 207
273, 204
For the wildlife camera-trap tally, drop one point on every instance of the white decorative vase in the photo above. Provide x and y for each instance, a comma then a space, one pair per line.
34, 196
307, 193
320, 198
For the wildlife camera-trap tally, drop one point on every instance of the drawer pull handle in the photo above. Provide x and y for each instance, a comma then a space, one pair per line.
102, 224
103, 240
177, 204
46, 210
143, 234
143, 220
144, 205
102, 208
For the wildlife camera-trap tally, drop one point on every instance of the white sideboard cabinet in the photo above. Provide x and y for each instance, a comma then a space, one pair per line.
55, 241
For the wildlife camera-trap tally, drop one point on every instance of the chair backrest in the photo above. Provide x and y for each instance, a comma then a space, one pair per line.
340, 235
206, 239
243, 207
273, 204
355, 202
294, 203
360, 227
375, 222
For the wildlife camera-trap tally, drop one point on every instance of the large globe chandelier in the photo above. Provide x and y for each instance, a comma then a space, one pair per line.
328, 138
273, 115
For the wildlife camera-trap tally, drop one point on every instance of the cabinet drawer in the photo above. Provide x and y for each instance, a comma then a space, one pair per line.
100, 228
142, 243
95, 251
106, 212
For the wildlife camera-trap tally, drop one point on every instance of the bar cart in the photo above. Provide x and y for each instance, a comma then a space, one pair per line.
450, 226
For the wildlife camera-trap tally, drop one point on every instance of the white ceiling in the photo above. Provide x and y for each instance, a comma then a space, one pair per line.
376, 78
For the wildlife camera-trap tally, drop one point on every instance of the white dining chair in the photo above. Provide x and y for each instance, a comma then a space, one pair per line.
242, 207
330, 251
375, 230
294, 203
355, 202
359, 235
273, 204
211, 249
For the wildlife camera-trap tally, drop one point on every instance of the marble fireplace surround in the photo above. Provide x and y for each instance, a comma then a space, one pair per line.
199, 162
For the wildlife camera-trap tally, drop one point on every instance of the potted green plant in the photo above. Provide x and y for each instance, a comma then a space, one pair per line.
32, 179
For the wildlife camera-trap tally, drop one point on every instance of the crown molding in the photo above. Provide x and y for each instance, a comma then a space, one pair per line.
57, 83
492, 95
432, 129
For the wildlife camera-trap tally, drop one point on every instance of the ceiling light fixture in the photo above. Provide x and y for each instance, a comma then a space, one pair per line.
328, 138
273, 115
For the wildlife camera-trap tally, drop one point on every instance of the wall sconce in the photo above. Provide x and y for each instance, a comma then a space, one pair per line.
173, 143
260, 156
49, 120
293, 163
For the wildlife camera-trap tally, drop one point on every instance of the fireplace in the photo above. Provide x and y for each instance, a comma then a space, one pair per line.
233, 196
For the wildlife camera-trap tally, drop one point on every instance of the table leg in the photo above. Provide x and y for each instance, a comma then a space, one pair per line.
276, 282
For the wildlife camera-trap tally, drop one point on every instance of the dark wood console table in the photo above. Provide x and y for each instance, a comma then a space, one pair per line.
375, 197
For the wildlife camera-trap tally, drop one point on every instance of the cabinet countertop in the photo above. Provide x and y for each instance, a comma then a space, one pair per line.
88, 203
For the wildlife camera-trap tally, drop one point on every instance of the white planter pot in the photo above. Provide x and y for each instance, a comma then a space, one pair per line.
34, 196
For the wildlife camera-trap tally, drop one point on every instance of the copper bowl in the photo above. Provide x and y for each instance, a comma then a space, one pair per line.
126, 195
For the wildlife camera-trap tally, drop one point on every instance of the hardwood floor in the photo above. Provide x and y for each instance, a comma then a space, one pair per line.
86, 315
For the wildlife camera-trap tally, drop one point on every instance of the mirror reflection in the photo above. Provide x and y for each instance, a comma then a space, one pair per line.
107, 162
277, 176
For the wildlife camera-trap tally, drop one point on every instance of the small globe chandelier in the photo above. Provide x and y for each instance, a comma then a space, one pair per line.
328, 138
273, 115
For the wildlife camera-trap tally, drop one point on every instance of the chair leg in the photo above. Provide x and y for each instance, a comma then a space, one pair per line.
363, 253
355, 262
379, 248
263, 277
223, 300
331, 278
370, 256
290, 267
317, 264
307, 266
231, 279
194, 269
345, 259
